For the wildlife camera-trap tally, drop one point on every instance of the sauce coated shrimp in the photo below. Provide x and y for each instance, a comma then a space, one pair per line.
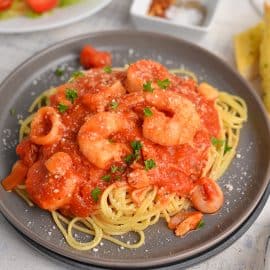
139, 179
97, 102
51, 184
93, 138
207, 196
144, 71
46, 127
175, 130
208, 91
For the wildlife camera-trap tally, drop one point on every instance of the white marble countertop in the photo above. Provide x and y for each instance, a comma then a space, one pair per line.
232, 16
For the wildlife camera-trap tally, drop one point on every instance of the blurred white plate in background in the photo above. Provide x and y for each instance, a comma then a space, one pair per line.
57, 18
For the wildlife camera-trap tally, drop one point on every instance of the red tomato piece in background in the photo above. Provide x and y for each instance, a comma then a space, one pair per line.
5, 4
90, 57
41, 6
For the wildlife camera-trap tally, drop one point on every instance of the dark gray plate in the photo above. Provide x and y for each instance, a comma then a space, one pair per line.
243, 184
183, 264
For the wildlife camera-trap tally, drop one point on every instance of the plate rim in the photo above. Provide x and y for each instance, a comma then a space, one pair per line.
165, 259
91, 12
175, 266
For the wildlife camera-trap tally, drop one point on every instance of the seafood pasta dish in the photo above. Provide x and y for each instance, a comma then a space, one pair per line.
114, 150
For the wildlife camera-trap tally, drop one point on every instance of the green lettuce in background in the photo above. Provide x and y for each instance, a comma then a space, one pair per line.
20, 8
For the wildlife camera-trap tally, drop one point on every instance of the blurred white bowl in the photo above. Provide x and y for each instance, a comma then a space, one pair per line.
141, 19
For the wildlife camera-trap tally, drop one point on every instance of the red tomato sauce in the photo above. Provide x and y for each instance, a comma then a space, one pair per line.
177, 167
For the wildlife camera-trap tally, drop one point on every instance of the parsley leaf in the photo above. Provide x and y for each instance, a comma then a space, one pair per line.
147, 87
77, 74
95, 194
217, 142
114, 105
71, 94
129, 158
149, 164
163, 84
12, 112
62, 107
136, 145
59, 72
114, 169
107, 70
147, 112
106, 178
227, 148
200, 224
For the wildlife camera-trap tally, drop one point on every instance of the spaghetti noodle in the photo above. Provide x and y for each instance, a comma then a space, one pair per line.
123, 208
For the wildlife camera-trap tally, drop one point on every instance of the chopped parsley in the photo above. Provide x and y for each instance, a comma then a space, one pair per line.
129, 158
12, 112
147, 112
114, 169
164, 83
95, 194
71, 94
227, 148
77, 74
217, 142
114, 105
147, 87
136, 145
59, 72
106, 178
200, 224
149, 164
62, 107
107, 70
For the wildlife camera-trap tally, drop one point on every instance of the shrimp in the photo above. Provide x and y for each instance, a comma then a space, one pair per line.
139, 179
93, 138
208, 91
207, 196
144, 71
46, 127
98, 101
52, 164
175, 130
51, 184
60, 95
184, 222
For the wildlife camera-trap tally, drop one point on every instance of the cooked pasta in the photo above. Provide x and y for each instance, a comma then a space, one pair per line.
139, 156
